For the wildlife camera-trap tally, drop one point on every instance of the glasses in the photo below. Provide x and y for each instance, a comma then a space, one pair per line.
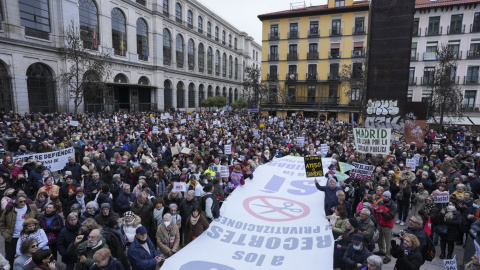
429, 200
34, 246
413, 221
24, 201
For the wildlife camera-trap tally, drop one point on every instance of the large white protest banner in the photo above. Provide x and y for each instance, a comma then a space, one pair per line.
55, 161
275, 221
361, 171
372, 140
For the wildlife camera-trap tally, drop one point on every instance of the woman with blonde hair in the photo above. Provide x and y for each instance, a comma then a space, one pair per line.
409, 257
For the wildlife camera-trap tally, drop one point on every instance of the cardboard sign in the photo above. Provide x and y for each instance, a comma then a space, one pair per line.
183, 121
324, 148
186, 151
373, 140
174, 150
361, 171
412, 163
167, 131
313, 166
155, 129
301, 141
107, 121
180, 186
227, 149
74, 123
444, 198
224, 172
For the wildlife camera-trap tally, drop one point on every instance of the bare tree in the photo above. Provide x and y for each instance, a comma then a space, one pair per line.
252, 86
87, 70
353, 79
446, 99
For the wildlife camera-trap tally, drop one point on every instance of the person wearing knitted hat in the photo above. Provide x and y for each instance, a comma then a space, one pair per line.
385, 212
343, 241
129, 224
31, 229
106, 212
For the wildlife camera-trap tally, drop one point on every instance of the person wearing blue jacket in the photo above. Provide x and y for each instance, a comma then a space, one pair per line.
330, 190
142, 254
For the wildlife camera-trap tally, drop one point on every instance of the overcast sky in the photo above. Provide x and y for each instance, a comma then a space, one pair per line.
243, 13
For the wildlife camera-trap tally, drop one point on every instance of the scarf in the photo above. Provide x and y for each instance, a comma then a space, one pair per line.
428, 208
157, 214
194, 186
194, 220
449, 214
81, 201
164, 235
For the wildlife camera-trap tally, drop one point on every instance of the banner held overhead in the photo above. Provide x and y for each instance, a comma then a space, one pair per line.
373, 140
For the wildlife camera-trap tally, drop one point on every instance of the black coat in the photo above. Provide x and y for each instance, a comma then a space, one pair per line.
453, 226
412, 261
352, 257
112, 265
67, 236
75, 169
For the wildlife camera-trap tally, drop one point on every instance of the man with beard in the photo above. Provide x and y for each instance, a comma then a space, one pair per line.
106, 212
85, 250
142, 254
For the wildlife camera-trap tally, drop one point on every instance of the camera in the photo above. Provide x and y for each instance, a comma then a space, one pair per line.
397, 234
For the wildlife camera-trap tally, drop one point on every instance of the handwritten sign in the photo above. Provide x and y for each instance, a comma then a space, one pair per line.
313, 166
444, 198
361, 171
180, 186
372, 140
227, 149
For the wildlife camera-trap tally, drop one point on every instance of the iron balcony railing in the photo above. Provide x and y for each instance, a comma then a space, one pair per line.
312, 55
456, 30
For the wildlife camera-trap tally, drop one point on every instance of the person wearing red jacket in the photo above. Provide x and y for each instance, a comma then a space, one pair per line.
385, 212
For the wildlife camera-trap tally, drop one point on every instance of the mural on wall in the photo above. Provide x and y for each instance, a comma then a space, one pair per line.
385, 114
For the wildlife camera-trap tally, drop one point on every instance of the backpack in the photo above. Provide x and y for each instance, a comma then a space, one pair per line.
428, 251
117, 247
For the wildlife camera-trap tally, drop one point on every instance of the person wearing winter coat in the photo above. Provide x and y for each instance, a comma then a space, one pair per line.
409, 256
50, 188
116, 242
105, 261
124, 200
236, 177
27, 249
168, 237
142, 253
25, 185
355, 257
330, 191
104, 196
129, 225
43, 260
474, 264
209, 203
449, 220
63, 193
343, 241
403, 192
374, 263
338, 221
66, 237
106, 212
31, 229
142, 207
196, 224
86, 249
385, 213
52, 224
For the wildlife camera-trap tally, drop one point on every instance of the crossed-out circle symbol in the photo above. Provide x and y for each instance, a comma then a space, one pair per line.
275, 209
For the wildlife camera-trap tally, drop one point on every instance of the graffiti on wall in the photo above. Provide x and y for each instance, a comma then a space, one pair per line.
385, 114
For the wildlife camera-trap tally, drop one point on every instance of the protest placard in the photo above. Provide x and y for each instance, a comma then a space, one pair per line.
412, 163
174, 150
301, 141
54, 161
224, 171
180, 186
186, 151
361, 171
73, 123
450, 264
227, 149
372, 140
183, 121
155, 129
324, 148
313, 166
281, 124
443, 198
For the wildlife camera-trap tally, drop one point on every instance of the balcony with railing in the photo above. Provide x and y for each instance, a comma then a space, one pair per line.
293, 34
457, 55
223, 42
292, 77
470, 79
313, 33
417, 32
359, 30
412, 81
273, 57
456, 30
273, 36
474, 28
335, 32
292, 56
473, 54
433, 31
179, 20
311, 76
312, 55
272, 77
426, 80
358, 53
165, 13
334, 54
333, 76
414, 57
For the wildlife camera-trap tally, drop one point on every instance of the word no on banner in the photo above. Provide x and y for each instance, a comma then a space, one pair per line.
361, 171
313, 166
372, 140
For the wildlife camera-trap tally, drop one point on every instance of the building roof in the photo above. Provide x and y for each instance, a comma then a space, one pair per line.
440, 3
360, 5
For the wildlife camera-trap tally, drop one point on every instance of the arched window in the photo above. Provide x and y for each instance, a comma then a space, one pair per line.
209, 60
209, 29
217, 63
230, 96
201, 57
89, 24
167, 96
191, 54
230, 66
167, 47
190, 19
142, 39
179, 51
201, 94
200, 24
235, 43
216, 33
236, 94
143, 81
120, 78
41, 89
6, 86
180, 95
178, 13
224, 65
165, 7
191, 95
223, 37
229, 40
217, 91
224, 92
35, 17
210, 91
236, 68
119, 32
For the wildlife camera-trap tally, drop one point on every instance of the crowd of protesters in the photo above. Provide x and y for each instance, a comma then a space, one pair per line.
113, 206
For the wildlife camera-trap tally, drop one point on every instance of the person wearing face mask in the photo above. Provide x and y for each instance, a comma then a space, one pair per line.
35, 175
470, 216
330, 190
142, 253
168, 237
385, 212
355, 257
448, 227
474, 182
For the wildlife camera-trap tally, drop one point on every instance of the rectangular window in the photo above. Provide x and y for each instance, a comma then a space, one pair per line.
293, 30
339, 3
311, 94
476, 23
273, 56
273, 73
335, 50
426, 96
431, 46
313, 47
274, 31
472, 74
357, 69
292, 69
456, 24
35, 17
428, 75
312, 72
411, 76
313, 29
433, 26
416, 29
359, 26
334, 72
333, 94
469, 98
292, 52
336, 28
409, 95
413, 52
292, 92
354, 94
